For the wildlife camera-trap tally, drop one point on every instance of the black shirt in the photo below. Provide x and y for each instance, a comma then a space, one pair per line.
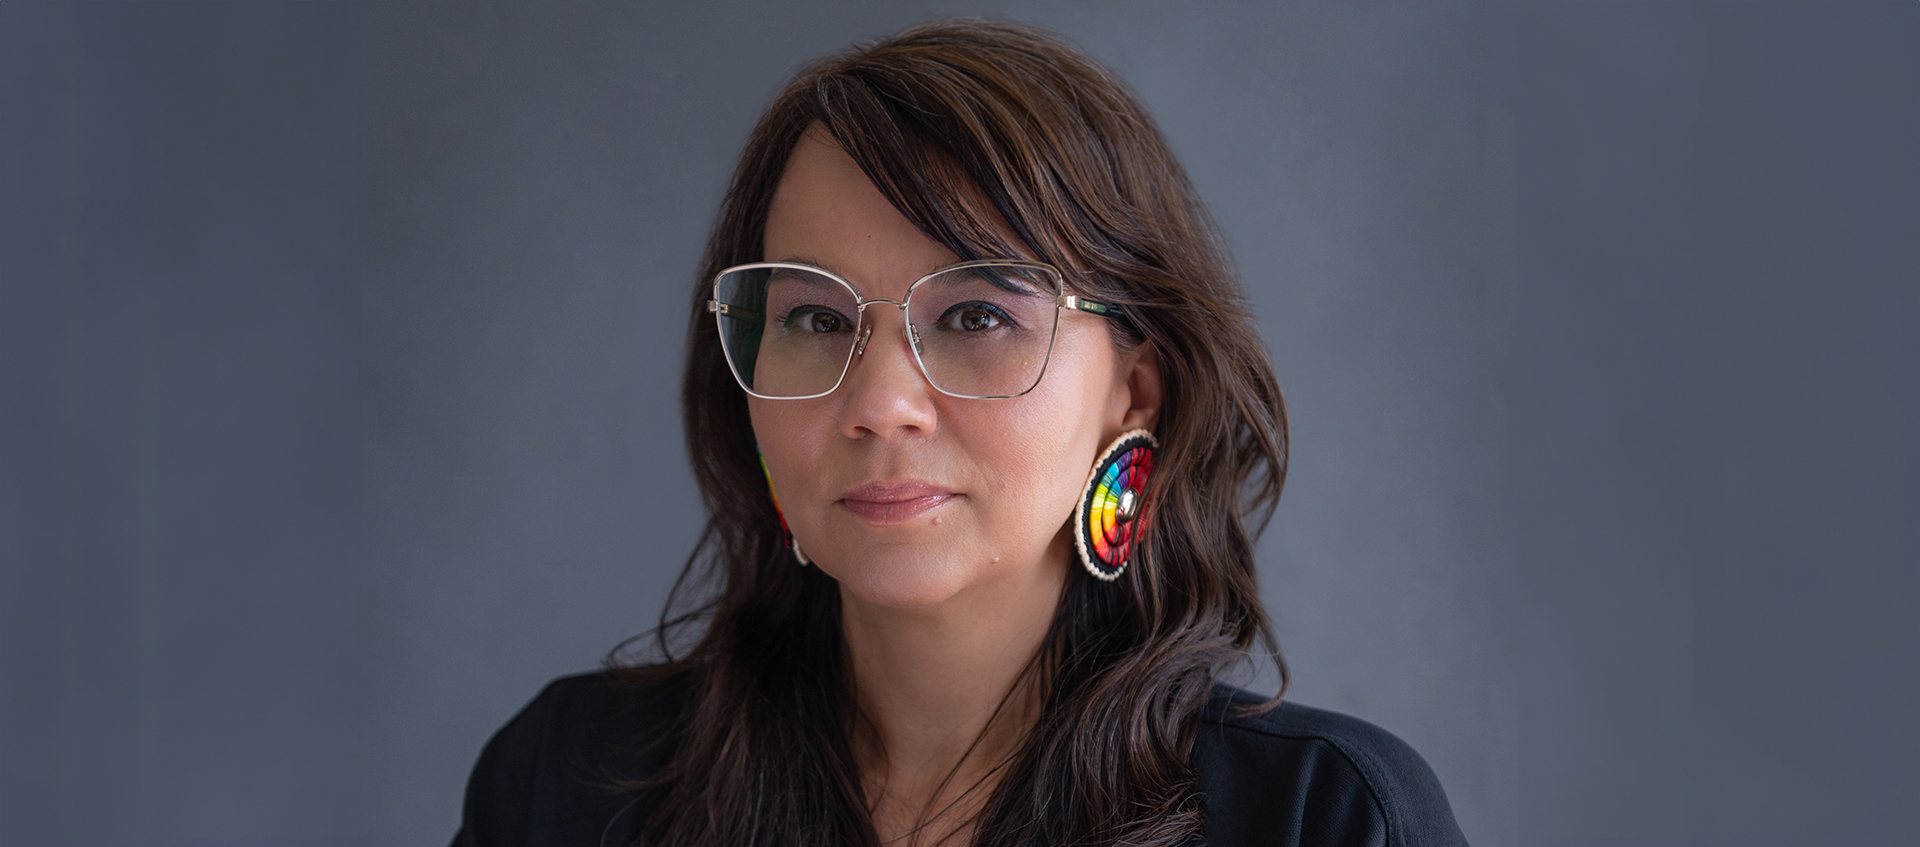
1295, 775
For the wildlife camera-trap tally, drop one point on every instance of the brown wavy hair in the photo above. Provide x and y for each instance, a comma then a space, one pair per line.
972, 129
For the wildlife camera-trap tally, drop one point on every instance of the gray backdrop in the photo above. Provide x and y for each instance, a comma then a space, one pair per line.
338, 347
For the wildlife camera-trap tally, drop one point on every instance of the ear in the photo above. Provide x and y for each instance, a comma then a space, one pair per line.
1137, 393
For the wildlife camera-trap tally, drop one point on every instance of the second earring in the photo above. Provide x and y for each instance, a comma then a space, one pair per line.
785, 532
1107, 525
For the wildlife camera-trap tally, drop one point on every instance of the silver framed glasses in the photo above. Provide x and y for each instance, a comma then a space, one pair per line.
978, 330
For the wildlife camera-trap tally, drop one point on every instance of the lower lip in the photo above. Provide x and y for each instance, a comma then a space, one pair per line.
895, 511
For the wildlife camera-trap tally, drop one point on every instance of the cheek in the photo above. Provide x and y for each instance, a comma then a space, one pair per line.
1044, 444
1034, 474
790, 441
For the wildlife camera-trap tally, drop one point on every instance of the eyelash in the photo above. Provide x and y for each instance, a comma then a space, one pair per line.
999, 314
787, 319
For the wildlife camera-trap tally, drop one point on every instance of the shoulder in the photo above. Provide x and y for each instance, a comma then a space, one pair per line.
604, 706
1299, 775
560, 772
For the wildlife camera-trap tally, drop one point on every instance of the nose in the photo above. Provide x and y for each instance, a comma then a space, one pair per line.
885, 394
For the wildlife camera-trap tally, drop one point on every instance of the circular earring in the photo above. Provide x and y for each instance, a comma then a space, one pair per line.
786, 534
1107, 524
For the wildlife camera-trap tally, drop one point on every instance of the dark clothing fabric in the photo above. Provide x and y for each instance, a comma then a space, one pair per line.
1292, 776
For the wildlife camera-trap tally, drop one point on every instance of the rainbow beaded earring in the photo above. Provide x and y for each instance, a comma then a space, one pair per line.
785, 533
1107, 523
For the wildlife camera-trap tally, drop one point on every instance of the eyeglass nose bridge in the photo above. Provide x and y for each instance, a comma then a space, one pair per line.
866, 329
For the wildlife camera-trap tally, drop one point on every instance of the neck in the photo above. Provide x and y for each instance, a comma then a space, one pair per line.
945, 698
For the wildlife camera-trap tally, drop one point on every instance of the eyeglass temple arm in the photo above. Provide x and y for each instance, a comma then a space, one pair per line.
1075, 301
732, 311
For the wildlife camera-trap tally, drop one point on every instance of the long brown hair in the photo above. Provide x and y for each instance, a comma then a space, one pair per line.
971, 129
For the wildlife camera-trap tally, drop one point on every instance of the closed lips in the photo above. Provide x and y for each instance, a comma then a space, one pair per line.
895, 502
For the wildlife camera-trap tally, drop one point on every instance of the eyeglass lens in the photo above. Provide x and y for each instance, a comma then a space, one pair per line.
982, 331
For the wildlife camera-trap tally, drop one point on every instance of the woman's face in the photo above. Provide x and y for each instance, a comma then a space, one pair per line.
906, 496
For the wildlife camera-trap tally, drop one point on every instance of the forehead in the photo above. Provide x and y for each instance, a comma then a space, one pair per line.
828, 213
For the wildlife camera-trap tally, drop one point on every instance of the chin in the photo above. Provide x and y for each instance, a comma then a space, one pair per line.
901, 578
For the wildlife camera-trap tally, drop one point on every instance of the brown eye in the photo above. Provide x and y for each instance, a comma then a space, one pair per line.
973, 317
816, 319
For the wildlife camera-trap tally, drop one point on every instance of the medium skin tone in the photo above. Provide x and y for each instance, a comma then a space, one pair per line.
944, 520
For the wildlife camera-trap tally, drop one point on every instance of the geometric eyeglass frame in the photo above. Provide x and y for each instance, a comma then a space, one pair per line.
864, 329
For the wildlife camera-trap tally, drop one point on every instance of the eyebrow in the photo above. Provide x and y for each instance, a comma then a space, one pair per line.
808, 260
812, 262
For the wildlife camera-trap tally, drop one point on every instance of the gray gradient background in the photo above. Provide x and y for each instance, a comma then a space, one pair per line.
338, 348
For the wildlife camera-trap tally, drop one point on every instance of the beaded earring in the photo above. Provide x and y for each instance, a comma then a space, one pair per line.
1107, 524
785, 533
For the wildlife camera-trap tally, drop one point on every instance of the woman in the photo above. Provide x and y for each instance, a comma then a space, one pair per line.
979, 416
